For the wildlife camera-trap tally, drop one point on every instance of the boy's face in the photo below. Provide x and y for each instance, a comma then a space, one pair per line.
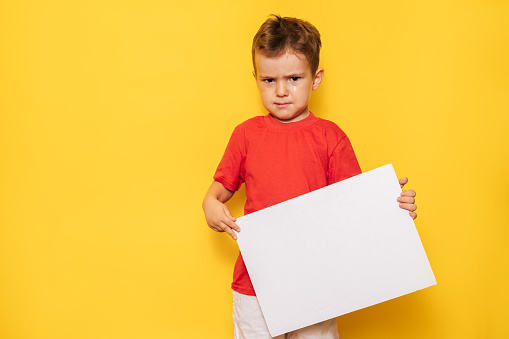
285, 83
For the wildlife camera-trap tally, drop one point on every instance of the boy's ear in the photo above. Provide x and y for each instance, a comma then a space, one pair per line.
254, 75
318, 78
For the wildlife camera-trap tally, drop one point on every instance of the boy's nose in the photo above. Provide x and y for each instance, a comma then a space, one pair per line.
281, 90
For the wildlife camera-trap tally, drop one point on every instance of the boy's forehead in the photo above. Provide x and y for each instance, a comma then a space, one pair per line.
287, 62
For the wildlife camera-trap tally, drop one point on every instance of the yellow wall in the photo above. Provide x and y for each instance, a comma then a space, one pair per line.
114, 115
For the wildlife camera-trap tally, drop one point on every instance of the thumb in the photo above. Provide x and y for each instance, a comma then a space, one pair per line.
402, 182
228, 214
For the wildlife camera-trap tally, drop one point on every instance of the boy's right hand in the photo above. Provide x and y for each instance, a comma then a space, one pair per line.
219, 218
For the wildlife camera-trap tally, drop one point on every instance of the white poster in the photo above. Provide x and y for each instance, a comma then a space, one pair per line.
333, 251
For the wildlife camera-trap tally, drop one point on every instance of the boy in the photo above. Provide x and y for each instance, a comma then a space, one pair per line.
282, 155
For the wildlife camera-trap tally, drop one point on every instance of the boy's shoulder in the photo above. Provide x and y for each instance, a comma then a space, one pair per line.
251, 122
329, 125
331, 130
249, 127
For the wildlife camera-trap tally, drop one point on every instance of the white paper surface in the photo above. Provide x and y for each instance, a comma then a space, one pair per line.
333, 251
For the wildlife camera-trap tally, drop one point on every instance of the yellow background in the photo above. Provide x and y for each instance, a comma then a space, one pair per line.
115, 114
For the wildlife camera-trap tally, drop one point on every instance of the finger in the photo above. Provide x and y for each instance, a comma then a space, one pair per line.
413, 215
217, 228
408, 200
409, 193
231, 224
228, 230
403, 181
408, 207
228, 214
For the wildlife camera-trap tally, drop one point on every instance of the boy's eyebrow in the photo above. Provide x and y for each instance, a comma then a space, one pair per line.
285, 76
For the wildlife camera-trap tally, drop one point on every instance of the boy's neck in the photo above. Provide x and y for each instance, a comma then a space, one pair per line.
299, 117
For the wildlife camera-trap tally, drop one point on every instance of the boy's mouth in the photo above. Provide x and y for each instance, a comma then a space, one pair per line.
282, 104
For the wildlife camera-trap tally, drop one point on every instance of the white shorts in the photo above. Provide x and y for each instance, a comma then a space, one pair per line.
248, 323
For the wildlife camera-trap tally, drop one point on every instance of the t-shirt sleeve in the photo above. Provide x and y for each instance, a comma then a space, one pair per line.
229, 171
343, 163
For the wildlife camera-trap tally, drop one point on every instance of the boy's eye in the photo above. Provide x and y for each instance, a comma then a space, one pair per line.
294, 78
268, 80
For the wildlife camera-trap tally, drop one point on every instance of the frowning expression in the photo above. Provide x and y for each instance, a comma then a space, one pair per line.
285, 83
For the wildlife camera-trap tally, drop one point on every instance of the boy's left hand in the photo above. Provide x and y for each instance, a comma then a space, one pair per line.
407, 199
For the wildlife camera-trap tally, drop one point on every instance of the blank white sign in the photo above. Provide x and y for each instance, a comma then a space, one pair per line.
333, 251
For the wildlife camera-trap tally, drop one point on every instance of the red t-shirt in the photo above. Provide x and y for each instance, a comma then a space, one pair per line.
280, 161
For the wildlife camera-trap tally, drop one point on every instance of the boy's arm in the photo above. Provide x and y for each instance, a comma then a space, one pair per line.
218, 216
407, 199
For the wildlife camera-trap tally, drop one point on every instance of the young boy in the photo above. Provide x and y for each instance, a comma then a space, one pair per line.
282, 155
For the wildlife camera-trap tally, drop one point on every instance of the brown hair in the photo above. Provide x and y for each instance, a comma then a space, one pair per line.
278, 35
